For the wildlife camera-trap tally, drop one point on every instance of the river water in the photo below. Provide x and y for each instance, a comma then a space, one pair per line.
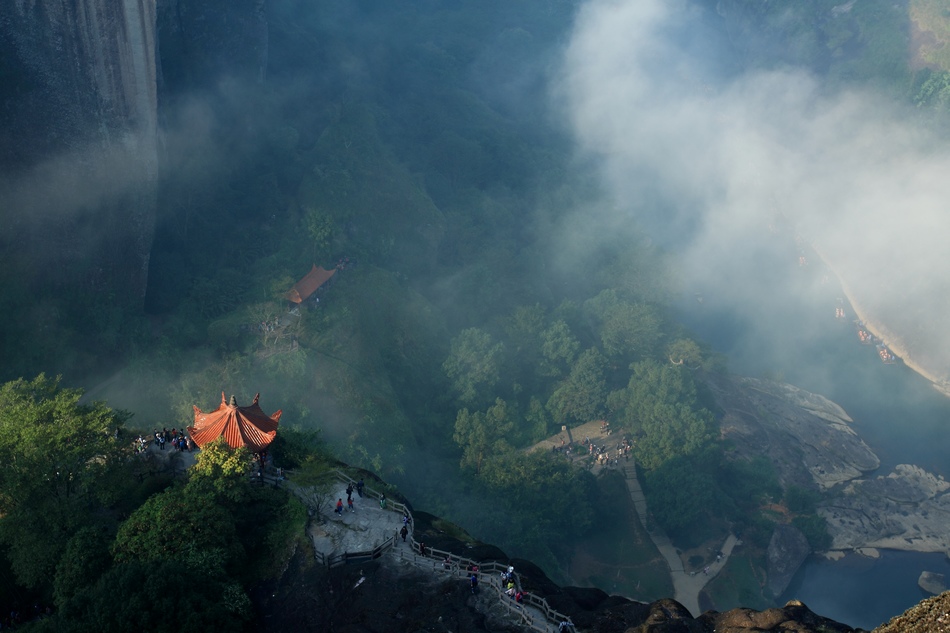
783, 326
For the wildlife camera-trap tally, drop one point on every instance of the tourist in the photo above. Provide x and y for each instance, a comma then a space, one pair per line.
474, 582
404, 532
349, 503
339, 506
382, 501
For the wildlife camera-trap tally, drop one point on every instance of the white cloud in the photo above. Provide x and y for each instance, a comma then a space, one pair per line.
856, 174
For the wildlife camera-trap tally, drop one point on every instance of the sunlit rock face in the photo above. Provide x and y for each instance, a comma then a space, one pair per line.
78, 146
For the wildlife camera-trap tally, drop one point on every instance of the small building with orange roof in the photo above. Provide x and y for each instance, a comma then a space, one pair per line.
309, 284
239, 426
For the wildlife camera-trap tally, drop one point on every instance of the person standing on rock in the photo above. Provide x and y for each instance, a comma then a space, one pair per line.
339, 506
349, 491
474, 581
404, 532
349, 504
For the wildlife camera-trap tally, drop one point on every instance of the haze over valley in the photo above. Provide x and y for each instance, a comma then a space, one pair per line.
646, 237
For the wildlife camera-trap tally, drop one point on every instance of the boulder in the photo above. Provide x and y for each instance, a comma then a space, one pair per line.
932, 582
787, 550
908, 509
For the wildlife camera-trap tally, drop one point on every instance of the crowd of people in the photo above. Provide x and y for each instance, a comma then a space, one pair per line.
178, 440
598, 455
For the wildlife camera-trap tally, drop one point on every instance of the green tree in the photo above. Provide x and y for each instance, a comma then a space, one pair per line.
164, 596
315, 478
683, 498
559, 348
220, 471
660, 405
183, 525
540, 502
815, 530
55, 452
85, 559
320, 228
581, 396
935, 92
538, 420
801, 500
483, 434
473, 363
626, 329
684, 351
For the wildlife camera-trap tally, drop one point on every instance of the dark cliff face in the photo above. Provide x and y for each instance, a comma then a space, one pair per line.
78, 145
205, 41
387, 596
81, 94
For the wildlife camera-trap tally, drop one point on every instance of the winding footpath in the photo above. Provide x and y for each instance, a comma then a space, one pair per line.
686, 585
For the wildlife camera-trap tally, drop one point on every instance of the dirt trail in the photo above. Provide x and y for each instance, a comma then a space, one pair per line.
687, 585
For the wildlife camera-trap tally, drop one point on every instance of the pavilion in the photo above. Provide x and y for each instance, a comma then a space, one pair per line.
239, 426
309, 284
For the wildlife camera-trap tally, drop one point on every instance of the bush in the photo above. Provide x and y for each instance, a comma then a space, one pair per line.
815, 530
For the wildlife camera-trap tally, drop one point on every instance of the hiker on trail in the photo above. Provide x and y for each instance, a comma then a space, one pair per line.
349, 503
339, 507
519, 597
404, 532
474, 581
422, 549
349, 491
382, 501
359, 487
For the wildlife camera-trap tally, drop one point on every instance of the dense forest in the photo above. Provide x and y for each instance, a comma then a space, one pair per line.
485, 297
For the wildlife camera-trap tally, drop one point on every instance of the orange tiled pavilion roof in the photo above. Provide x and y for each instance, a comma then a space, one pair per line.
239, 426
309, 284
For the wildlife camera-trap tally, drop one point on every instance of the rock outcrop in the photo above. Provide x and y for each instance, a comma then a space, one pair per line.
909, 509
932, 582
929, 616
386, 596
788, 549
806, 436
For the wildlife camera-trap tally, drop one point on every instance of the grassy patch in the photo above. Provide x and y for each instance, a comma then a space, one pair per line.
618, 556
740, 583
450, 529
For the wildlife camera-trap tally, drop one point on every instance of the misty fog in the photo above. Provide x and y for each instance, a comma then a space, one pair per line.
529, 206
725, 154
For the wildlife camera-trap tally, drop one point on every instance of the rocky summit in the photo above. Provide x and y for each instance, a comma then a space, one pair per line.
390, 594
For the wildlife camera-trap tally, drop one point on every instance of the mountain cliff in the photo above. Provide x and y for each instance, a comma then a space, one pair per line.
79, 147
388, 595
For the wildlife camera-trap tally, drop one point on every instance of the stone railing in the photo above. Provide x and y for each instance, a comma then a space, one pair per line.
442, 561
